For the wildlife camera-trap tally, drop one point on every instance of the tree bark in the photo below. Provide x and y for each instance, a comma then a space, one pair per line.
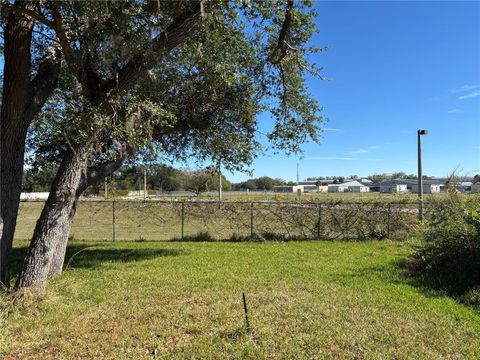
22, 99
91, 177
17, 36
46, 254
53, 226
13, 147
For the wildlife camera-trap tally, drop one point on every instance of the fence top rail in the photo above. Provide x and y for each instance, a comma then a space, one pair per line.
243, 202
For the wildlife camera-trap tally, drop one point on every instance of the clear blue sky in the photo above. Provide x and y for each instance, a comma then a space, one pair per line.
393, 68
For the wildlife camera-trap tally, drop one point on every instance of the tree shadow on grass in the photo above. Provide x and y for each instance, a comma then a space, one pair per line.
426, 287
432, 288
394, 272
87, 256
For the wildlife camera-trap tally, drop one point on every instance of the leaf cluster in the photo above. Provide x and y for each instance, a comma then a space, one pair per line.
201, 100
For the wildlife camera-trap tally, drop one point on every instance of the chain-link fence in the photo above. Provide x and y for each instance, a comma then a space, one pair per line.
233, 220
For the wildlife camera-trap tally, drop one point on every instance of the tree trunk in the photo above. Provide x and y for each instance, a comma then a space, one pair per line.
93, 176
47, 248
12, 153
22, 99
15, 95
46, 254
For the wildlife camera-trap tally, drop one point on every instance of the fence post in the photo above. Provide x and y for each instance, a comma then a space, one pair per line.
183, 216
113, 220
251, 220
388, 219
319, 220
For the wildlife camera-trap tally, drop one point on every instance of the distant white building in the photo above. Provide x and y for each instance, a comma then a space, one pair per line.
427, 188
351, 186
134, 193
337, 188
301, 187
34, 196
388, 187
288, 189
314, 188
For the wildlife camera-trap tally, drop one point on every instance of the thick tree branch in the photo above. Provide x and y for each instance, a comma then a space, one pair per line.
73, 62
20, 9
100, 171
167, 40
281, 50
46, 79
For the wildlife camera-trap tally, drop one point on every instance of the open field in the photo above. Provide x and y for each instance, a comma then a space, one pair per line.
183, 300
271, 196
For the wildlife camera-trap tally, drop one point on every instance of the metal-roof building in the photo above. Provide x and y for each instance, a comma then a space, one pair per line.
351, 186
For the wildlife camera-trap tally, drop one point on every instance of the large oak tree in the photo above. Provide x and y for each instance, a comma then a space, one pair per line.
177, 78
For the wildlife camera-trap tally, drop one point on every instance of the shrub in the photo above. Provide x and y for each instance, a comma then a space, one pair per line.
449, 259
472, 298
202, 236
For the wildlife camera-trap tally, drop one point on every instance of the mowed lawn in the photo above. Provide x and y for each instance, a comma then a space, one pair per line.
184, 300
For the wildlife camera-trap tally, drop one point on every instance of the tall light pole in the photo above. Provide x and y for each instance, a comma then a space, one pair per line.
298, 173
420, 176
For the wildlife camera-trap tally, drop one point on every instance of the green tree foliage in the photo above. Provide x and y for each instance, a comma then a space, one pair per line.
261, 183
38, 179
166, 178
377, 178
202, 180
399, 175
476, 179
201, 101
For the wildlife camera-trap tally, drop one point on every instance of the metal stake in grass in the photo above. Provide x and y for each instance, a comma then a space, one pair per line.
245, 308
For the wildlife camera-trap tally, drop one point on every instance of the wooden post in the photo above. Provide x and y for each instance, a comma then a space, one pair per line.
144, 184
219, 180
388, 219
251, 220
106, 189
183, 218
113, 220
245, 309
319, 220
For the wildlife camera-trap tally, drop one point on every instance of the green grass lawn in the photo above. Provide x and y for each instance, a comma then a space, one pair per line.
184, 300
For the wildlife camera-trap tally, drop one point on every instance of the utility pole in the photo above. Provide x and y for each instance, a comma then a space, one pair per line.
219, 179
298, 174
145, 183
420, 176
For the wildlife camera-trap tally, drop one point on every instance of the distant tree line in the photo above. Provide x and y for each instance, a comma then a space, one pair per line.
167, 178
261, 183
159, 177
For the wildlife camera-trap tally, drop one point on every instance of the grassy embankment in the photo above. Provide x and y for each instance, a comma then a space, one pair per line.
183, 300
